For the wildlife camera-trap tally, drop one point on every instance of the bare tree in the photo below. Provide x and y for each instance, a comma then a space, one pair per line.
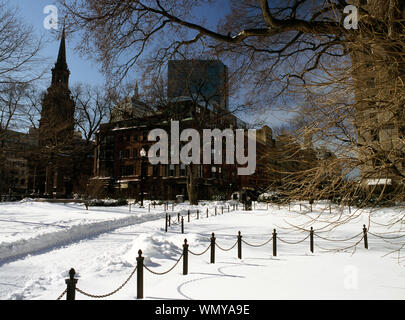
93, 105
19, 48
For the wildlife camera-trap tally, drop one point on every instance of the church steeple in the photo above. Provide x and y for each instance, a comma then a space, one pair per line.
60, 73
62, 52
57, 115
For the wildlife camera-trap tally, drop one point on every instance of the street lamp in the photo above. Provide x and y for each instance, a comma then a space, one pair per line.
143, 157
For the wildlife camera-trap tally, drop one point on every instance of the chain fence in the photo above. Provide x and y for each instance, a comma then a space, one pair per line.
112, 292
288, 242
338, 240
219, 247
166, 272
257, 245
200, 254
386, 238
61, 295
71, 283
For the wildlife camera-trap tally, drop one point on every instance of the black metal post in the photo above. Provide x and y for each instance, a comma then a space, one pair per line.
215, 210
239, 245
139, 275
178, 217
228, 208
142, 178
365, 236
170, 219
182, 225
274, 243
198, 215
207, 213
213, 248
188, 215
222, 210
311, 240
185, 257
71, 285
166, 223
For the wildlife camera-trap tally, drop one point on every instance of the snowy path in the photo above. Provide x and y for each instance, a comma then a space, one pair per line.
104, 261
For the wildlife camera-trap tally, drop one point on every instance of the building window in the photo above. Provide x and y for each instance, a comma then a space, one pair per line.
182, 170
127, 171
109, 155
155, 171
135, 153
171, 170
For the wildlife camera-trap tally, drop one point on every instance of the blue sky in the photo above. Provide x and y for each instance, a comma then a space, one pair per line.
81, 69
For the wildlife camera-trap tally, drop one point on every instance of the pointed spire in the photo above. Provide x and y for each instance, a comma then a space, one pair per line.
62, 51
136, 91
60, 73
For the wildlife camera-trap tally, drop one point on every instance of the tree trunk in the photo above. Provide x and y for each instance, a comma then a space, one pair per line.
191, 187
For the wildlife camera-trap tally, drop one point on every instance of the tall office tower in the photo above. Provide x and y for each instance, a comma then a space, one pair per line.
205, 80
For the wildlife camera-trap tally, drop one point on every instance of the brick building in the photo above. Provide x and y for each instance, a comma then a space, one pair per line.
119, 168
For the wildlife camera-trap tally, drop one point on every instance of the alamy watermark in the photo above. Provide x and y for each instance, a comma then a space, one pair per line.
351, 279
51, 20
351, 21
190, 151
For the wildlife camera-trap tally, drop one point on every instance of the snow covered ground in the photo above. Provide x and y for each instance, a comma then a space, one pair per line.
40, 242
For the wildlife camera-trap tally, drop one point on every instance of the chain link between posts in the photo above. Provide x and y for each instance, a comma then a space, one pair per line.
386, 238
200, 254
288, 242
162, 273
257, 245
338, 240
226, 249
112, 292
62, 294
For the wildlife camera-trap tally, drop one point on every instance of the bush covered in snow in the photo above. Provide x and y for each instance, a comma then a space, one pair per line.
270, 197
107, 203
219, 197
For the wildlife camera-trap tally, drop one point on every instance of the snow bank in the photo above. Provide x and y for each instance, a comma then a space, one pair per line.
69, 234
